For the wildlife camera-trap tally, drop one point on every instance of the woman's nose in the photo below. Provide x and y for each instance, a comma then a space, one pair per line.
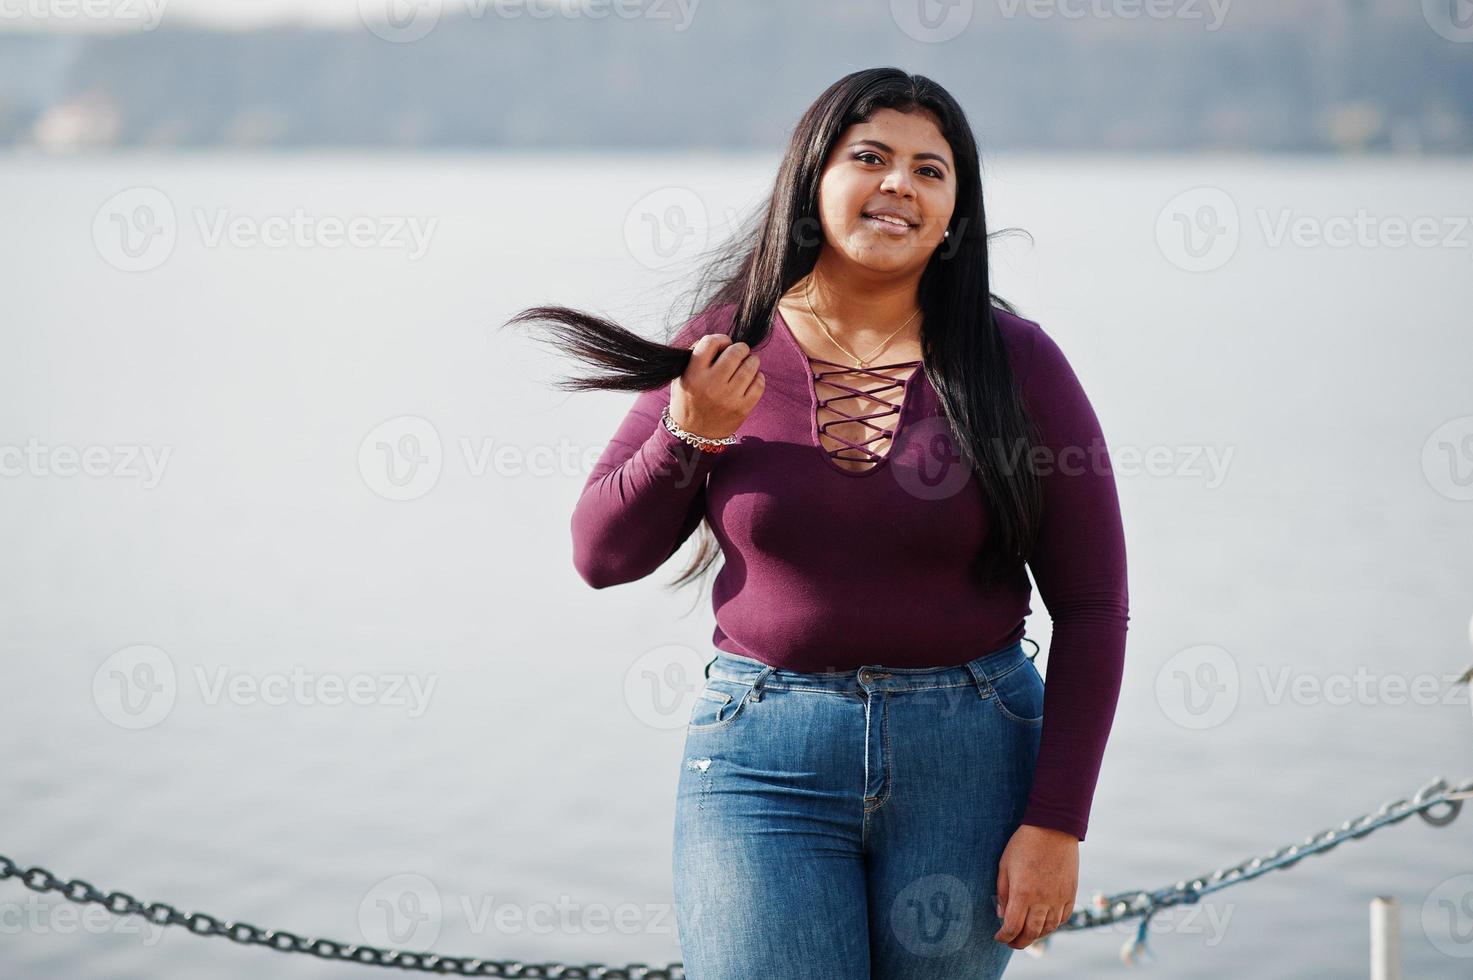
898, 181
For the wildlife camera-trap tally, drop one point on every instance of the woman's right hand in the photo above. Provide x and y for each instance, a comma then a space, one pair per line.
719, 388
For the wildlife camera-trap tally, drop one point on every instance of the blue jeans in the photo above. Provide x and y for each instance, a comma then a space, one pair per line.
848, 825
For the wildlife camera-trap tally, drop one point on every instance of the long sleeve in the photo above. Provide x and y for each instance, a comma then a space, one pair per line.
1080, 568
644, 497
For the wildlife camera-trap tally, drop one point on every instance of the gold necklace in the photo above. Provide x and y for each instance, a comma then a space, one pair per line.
825, 328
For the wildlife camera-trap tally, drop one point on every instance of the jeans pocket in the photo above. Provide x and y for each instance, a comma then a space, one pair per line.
718, 704
1018, 693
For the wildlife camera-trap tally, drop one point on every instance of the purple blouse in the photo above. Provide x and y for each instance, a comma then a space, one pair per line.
831, 565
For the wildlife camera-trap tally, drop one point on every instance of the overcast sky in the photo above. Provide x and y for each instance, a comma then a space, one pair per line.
62, 15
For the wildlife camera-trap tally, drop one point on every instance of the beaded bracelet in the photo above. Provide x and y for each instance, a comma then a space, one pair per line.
700, 442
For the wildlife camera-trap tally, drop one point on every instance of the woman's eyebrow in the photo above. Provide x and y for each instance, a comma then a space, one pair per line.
887, 149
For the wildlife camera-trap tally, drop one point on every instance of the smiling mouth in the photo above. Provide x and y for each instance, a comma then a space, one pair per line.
888, 223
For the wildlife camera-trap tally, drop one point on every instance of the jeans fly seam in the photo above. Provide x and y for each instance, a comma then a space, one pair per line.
888, 773
886, 768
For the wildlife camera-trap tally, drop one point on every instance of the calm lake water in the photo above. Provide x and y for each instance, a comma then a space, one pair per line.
294, 638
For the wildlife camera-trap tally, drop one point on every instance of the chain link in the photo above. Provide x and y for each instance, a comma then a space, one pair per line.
1107, 909
201, 924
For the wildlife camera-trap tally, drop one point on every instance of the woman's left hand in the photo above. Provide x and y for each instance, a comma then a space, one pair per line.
1036, 882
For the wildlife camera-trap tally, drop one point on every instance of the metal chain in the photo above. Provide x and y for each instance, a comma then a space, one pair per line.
119, 903
1107, 909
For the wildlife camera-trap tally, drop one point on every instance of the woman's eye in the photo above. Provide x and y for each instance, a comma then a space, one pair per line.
862, 156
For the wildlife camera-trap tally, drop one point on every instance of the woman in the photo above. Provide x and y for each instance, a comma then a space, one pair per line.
875, 783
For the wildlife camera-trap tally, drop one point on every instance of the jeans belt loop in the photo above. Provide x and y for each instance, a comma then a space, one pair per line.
757, 684
979, 676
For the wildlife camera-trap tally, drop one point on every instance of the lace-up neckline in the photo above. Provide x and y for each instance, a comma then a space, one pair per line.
856, 400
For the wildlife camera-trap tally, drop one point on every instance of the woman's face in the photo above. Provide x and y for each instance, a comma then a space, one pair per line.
895, 162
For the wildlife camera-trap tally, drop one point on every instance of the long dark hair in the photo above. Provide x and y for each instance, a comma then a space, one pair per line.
964, 359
